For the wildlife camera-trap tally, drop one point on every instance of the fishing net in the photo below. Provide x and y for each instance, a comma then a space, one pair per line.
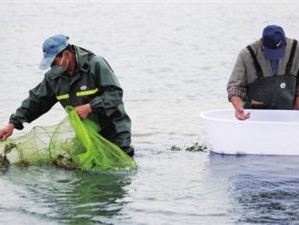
72, 144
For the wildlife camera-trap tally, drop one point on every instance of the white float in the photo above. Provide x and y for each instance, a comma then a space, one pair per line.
266, 132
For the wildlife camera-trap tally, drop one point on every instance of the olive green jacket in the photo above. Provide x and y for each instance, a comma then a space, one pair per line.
94, 82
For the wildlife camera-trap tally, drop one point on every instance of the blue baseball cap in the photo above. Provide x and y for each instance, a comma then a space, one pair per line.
51, 48
274, 42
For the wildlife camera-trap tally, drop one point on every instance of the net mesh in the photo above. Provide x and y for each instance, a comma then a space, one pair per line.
72, 144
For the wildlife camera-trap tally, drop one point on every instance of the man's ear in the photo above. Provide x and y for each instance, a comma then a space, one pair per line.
66, 53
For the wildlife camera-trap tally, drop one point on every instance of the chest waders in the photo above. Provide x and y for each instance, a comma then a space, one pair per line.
275, 92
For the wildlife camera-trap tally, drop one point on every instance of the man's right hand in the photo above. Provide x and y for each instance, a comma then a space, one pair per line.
238, 106
241, 114
6, 132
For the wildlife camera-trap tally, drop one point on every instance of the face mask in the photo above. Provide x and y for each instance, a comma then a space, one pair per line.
64, 62
58, 70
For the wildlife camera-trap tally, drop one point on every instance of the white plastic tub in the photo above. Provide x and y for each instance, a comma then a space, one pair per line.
267, 132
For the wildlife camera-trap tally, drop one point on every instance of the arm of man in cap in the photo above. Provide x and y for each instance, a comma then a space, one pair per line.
239, 110
39, 101
236, 85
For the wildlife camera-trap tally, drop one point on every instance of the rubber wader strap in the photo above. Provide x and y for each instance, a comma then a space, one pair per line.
290, 62
258, 68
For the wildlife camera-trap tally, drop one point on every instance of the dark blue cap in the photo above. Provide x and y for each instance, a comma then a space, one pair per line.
274, 42
51, 48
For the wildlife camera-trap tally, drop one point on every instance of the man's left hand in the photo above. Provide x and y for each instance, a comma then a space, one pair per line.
83, 110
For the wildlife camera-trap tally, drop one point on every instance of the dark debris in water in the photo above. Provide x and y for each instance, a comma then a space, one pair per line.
175, 148
23, 163
8, 147
197, 148
193, 148
64, 162
3, 158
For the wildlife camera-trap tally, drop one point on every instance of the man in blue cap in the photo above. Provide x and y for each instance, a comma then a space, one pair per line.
265, 74
79, 78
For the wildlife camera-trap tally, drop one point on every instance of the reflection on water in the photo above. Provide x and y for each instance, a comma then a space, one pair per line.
48, 193
261, 200
261, 189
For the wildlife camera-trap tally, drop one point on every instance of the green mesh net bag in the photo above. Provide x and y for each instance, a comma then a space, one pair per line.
72, 144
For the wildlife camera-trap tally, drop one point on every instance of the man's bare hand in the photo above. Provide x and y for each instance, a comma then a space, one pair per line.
241, 114
6, 132
83, 110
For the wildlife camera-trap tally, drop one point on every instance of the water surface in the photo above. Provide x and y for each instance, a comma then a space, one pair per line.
173, 61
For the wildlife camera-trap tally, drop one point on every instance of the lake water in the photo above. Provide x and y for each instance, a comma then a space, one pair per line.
173, 60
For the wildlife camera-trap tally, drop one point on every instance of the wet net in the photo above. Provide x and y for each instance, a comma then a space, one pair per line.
71, 144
